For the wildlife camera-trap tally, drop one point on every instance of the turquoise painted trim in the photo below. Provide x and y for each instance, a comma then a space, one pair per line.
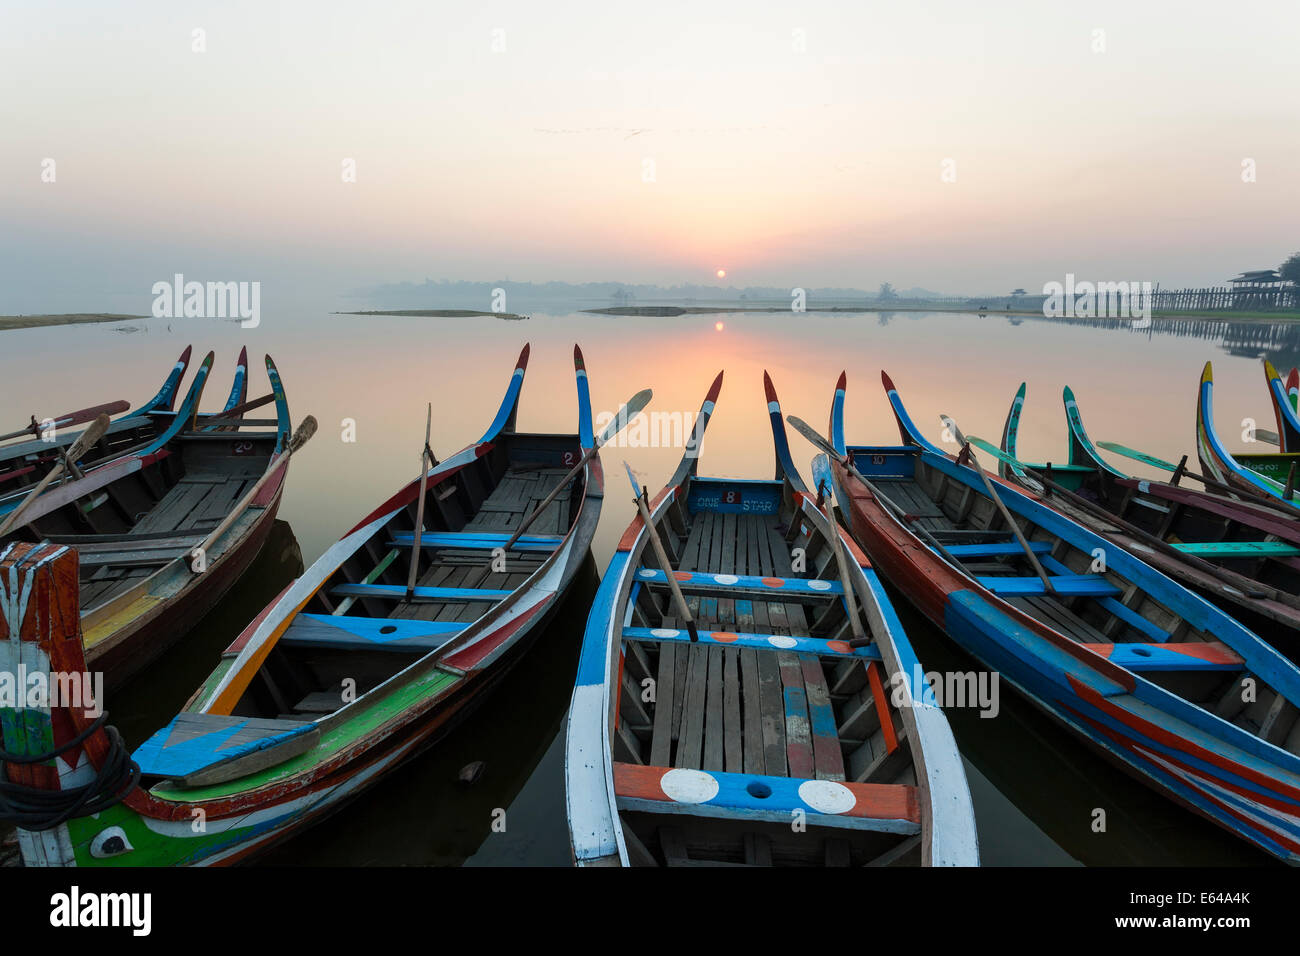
586, 435
185, 414
1082, 451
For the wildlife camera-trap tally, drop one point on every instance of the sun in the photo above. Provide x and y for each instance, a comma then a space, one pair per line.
718, 326
722, 273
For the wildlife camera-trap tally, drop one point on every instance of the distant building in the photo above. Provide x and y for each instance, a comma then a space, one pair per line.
1260, 279
1261, 288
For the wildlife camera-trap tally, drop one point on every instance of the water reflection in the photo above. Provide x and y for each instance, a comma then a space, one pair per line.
1035, 785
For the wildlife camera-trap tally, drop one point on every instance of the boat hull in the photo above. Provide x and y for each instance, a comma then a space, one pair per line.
1102, 703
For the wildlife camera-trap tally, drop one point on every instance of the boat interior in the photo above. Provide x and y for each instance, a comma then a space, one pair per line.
772, 692
1097, 608
359, 629
128, 529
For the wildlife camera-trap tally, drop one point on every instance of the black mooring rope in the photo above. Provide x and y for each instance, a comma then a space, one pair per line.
32, 808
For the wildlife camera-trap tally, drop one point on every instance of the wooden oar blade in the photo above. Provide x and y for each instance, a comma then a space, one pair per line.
87, 439
1143, 457
306, 429
951, 425
810, 433
630, 410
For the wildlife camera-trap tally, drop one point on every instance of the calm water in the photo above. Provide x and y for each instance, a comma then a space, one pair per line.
1035, 787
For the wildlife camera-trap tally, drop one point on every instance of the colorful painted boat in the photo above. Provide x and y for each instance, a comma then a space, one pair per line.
1283, 395
1274, 474
1243, 555
23, 463
1156, 678
772, 715
339, 679
135, 518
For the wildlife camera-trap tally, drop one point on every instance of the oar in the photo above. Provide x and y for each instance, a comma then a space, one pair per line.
625, 414
198, 554
860, 638
70, 418
997, 500
93, 433
1252, 495
808, 432
419, 508
1268, 437
665, 565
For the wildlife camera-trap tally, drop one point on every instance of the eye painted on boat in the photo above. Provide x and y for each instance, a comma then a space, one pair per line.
110, 843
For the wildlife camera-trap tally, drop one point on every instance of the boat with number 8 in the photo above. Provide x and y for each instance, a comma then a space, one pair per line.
1157, 679
398, 630
784, 691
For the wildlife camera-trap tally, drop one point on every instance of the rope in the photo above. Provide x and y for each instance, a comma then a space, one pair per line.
36, 809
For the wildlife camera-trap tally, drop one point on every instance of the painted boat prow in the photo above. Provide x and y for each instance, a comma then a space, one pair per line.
1010, 439
1215, 458
165, 399
509, 410
785, 466
1288, 425
691, 458
907, 428
1083, 453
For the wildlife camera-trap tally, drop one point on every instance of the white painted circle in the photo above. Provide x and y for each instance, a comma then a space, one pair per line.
647, 573
827, 796
689, 786
726, 578
781, 641
665, 632
819, 585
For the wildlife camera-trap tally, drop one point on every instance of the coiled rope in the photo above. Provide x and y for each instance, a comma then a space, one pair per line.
32, 808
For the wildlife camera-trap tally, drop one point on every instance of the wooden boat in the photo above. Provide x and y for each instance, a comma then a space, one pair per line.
340, 678
1155, 677
1242, 554
135, 518
775, 713
23, 463
1283, 396
1272, 473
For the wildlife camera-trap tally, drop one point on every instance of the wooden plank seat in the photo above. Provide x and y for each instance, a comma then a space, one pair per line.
785, 642
476, 540
889, 808
1118, 608
741, 586
200, 749
1189, 656
396, 592
345, 632
1238, 549
996, 549
1070, 585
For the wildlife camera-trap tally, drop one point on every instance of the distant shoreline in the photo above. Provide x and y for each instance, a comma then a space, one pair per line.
68, 318
438, 313
660, 311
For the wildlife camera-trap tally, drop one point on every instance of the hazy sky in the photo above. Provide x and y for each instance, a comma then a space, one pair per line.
792, 143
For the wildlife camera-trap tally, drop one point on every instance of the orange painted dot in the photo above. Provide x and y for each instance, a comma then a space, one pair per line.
774, 582
723, 637
839, 647
682, 575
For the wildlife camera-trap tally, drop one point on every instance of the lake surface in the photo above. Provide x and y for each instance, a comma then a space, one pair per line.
1035, 787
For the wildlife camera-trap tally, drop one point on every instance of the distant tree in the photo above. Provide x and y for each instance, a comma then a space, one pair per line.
887, 291
1290, 270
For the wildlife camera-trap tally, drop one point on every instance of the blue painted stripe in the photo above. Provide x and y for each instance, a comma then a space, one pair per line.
476, 541
1070, 584
396, 591
1120, 610
767, 642
507, 406
346, 631
707, 581
996, 549
586, 436
593, 662
1159, 657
